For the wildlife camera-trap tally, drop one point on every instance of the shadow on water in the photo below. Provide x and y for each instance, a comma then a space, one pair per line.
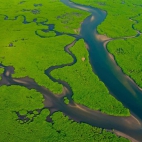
103, 64
130, 126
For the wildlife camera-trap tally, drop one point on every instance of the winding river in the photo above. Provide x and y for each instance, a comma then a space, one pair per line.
105, 67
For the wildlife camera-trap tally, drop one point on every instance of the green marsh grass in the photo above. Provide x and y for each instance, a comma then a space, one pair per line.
87, 88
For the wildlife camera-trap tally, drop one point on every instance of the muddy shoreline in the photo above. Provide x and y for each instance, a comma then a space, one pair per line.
130, 125
100, 59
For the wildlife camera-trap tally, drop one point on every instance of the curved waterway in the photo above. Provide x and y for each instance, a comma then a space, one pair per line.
129, 127
104, 65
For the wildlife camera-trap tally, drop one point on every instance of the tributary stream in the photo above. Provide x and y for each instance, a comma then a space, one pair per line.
104, 66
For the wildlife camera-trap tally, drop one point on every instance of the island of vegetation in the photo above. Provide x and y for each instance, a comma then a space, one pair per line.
127, 52
40, 41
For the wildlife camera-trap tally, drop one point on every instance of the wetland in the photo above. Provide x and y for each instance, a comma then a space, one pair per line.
45, 84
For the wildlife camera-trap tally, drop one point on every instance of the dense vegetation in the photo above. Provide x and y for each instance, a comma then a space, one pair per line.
25, 43
87, 88
129, 19
33, 55
138, 25
36, 128
41, 53
1, 71
26, 46
128, 54
52, 12
123, 26
46, 34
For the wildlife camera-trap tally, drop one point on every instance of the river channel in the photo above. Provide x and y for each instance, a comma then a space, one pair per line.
104, 66
103, 63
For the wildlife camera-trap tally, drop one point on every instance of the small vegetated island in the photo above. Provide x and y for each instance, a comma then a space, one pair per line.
53, 87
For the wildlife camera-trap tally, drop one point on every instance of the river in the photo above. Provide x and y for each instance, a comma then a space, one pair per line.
105, 67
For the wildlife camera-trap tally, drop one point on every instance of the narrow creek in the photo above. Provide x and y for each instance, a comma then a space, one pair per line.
105, 67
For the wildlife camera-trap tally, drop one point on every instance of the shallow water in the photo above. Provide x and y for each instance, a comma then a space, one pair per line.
104, 65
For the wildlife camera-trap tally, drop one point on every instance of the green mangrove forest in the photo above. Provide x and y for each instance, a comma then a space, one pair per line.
70, 71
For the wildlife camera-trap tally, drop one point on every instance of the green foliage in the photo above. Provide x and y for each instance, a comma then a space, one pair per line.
128, 54
87, 88
48, 34
116, 29
73, 131
66, 100
1, 71
18, 98
54, 11
138, 24
31, 53
39, 130
120, 11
